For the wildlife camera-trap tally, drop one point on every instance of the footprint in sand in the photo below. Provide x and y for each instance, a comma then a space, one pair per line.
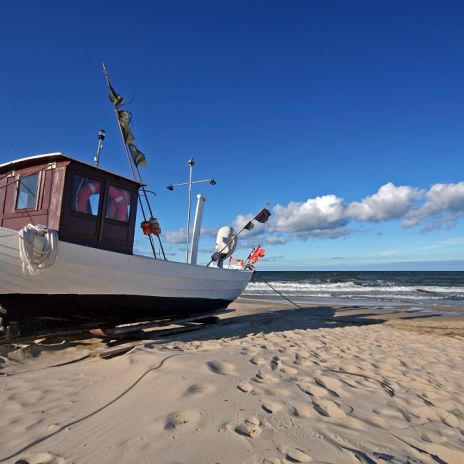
249, 351
275, 391
271, 406
53, 427
296, 455
199, 389
263, 377
221, 367
329, 383
288, 370
245, 387
41, 458
389, 412
328, 408
258, 360
180, 418
434, 437
275, 363
312, 390
449, 419
249, 428
302, 359
430, 395
303, 410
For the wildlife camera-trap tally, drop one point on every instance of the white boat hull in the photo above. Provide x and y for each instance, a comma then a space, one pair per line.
92, 283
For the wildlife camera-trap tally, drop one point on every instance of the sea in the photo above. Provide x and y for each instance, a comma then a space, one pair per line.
412, 290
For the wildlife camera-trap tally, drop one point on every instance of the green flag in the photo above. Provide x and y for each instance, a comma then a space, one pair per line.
137, 156
125, 118
116, 99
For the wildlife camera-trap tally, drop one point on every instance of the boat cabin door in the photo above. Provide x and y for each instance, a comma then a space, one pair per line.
98, 210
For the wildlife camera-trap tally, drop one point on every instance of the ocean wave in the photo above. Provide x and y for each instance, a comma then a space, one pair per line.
455, 296
351, 286
339, 289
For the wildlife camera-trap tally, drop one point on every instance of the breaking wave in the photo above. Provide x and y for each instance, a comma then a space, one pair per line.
361, 286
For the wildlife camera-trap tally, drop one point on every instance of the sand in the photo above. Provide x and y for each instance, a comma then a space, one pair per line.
269, 384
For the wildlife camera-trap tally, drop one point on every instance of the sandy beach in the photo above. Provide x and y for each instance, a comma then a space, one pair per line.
269, 383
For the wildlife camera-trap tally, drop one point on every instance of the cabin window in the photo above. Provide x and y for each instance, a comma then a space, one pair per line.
85, 195
118, 204
27, 192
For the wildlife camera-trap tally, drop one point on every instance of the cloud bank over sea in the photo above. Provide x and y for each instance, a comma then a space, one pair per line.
330, 216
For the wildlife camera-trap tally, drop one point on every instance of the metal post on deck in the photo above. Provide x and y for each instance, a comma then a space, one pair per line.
197, 228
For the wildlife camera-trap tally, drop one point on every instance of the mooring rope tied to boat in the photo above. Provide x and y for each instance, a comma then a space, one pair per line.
328, 319
277, 291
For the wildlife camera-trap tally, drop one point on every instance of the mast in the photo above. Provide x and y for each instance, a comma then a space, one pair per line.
134, 156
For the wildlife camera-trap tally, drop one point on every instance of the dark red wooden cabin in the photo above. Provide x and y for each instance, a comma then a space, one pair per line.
85, 204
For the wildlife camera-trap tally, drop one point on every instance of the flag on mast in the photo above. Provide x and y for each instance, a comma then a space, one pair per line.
124, 119
137, 156
263, 216
115, 99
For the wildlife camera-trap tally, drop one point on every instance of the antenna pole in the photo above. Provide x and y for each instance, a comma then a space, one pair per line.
191, 163
101, 137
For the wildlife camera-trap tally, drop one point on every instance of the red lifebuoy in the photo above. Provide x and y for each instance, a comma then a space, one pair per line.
119, 202
84, 193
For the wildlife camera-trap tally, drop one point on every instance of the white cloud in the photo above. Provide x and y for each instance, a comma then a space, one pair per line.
276, 239
180, 235
314, 217
325, 233
176, 236
390, 202
443, 206
261, 239
328, 216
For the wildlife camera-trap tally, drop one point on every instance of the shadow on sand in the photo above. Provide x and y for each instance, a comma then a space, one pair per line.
279, 320
246, 320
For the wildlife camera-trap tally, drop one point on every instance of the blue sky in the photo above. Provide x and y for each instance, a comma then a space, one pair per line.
347, 117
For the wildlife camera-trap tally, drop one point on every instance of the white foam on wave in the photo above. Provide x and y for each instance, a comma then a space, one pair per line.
350, 287
350, 290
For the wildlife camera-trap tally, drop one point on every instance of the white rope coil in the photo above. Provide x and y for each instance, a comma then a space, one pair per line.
38, 247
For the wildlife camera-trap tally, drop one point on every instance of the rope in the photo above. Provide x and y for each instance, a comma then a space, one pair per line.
277, 291
328, 319
38, 247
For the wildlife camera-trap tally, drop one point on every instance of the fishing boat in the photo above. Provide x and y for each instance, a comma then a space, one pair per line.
66, 248
85, 271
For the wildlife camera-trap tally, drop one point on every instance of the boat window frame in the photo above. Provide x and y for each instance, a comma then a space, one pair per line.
86, 177
37, 191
